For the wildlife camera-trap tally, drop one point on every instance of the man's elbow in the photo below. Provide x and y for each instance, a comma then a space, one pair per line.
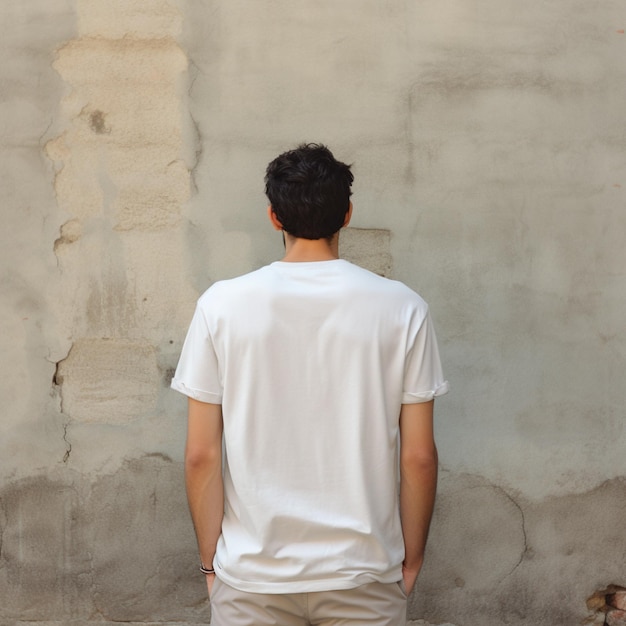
419, 460
202, 458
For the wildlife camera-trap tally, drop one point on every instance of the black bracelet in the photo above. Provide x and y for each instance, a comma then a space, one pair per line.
206, 570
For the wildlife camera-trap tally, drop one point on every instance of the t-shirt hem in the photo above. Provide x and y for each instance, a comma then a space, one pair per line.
308, 586
196, 394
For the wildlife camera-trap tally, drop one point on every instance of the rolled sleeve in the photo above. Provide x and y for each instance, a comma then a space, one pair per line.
423, 377
196, 394
426, 396
198, 374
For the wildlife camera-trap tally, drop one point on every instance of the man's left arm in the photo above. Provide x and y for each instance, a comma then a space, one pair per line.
418, 484
203, 477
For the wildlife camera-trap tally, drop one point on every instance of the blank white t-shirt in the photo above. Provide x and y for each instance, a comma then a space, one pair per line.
311, 363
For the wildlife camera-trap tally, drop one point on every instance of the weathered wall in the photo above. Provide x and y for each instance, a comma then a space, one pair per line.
97, 154
488, 141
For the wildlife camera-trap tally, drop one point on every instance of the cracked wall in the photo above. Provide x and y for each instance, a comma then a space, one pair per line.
97, 146
487, 141
122, 178
499, 556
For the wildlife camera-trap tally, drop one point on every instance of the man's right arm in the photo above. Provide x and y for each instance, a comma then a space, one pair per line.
418, 484
203, 477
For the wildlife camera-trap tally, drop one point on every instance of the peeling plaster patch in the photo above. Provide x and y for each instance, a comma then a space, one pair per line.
129, 136
70, 233
76, 183
121, 174
157, 302
108, 381
367, 247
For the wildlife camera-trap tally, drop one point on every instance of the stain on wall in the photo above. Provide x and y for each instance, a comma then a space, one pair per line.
113, 548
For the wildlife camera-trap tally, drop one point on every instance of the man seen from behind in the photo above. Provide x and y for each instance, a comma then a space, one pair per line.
310, 381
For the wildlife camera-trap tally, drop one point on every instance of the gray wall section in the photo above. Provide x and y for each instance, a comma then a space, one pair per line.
488, 142
30, 92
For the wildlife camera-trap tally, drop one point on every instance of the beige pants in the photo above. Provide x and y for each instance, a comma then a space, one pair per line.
375, 604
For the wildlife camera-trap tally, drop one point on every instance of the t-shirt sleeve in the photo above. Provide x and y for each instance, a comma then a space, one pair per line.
423, 375
197, 374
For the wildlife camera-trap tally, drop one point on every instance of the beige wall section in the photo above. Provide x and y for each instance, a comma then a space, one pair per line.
488, 145
98, 148
123, 178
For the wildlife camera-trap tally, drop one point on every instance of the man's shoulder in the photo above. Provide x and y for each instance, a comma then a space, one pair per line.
384, 285
229, 287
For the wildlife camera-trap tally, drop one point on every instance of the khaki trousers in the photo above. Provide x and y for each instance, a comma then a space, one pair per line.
374, 604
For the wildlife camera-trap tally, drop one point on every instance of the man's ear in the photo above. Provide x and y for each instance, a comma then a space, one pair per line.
275, 222
348, 215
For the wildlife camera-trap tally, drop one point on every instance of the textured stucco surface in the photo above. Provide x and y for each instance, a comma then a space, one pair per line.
488, 142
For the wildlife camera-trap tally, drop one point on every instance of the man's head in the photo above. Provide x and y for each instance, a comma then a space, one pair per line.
309, 191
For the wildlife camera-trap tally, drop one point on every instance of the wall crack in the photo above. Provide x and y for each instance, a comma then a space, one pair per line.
57, 385
68, 449
524, 535
40, 140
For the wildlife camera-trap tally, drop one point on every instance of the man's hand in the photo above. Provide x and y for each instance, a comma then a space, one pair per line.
210, 579
409, 576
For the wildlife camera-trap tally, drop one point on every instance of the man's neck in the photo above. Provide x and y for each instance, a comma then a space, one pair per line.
299, 250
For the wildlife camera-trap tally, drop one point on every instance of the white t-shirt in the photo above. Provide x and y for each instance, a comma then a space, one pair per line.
311, 362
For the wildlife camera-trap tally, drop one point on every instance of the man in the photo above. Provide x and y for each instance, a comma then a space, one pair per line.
308, 369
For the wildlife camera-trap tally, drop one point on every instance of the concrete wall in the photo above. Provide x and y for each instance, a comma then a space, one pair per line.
489, 147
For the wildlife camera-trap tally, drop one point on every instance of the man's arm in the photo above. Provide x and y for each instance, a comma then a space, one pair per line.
418, 484
203, 477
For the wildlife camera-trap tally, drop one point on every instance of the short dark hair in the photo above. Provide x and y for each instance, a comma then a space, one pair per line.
309, 191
